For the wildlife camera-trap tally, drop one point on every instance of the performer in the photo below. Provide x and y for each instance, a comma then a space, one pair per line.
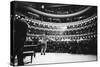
19, 36
43, 41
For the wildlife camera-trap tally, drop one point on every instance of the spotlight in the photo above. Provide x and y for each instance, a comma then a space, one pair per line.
42, 6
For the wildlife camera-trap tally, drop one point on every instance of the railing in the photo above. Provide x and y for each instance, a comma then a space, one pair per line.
56, 15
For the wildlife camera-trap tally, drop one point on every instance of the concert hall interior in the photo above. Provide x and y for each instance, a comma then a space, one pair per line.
70, 28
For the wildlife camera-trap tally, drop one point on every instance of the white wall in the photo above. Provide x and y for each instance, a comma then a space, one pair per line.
5, 32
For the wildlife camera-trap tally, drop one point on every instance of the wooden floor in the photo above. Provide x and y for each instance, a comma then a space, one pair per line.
59, 58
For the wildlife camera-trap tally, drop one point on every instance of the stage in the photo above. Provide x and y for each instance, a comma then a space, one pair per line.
50, 58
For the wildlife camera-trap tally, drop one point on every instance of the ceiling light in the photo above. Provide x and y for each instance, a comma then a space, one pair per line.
42, 6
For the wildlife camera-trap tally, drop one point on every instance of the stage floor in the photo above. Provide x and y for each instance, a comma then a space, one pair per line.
59, 58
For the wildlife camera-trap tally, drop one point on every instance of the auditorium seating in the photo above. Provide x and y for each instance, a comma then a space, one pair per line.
73, 34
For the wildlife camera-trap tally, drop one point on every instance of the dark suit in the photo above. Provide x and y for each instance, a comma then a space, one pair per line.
19, 36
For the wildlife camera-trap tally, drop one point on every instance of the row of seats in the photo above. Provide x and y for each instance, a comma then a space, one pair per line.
32, 23
83, 24
81, 47
64, 38
71, 32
